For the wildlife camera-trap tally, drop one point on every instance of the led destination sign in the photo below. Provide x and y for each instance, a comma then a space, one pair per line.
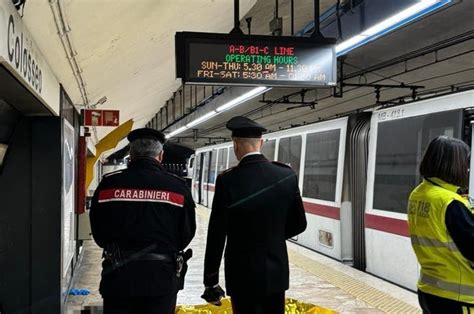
255, 60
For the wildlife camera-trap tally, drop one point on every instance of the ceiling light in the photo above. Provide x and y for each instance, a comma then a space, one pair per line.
413, 12
238, 100
234, 102
176, 132
205, 117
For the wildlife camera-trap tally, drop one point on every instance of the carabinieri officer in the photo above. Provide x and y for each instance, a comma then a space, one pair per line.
142, 217
257, 206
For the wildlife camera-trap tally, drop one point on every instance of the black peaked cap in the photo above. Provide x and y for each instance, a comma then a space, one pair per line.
146, 133
245, 127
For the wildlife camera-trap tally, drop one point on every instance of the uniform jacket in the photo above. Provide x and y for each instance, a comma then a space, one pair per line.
257, 206
142, 208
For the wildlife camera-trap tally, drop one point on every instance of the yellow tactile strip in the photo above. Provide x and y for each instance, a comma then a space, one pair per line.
357, 288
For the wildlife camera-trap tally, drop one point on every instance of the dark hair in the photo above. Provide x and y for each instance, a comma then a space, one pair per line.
447, 158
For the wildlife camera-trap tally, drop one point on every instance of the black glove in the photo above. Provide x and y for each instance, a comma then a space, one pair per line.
213, 295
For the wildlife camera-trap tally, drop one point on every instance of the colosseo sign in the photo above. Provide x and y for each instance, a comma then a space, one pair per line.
19, 53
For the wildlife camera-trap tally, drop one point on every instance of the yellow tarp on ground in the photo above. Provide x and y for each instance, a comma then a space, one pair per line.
291, 307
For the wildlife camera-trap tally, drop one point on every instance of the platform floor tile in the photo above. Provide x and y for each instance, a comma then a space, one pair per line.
315, 279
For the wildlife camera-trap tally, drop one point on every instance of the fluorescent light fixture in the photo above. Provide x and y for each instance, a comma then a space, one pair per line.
422, 7
234, 102
176, 132
238, 100
205, 117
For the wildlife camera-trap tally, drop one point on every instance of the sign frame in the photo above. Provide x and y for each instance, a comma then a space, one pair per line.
184, 39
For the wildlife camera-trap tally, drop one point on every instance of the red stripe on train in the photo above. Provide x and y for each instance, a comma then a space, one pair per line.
323, 210
387, 224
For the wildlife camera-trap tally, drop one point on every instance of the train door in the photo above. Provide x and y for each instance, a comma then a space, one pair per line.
222, 160
212, 176
190, 167
232, 158
205, 177
321, 187
268, 149
398, 139
469, 138
288, 152
198, 178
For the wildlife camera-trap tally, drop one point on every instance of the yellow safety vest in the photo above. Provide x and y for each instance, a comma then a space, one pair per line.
445, 272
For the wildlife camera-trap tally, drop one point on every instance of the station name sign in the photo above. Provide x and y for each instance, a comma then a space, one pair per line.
233, 59
20, 55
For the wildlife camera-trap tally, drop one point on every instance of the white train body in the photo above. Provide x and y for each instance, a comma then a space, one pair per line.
355, 174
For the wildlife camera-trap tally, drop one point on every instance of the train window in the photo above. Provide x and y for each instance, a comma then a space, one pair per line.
268, 149
222, 160
289, 152
205, 168
198, 168
320, 169
212, 171
232, 159
400, 147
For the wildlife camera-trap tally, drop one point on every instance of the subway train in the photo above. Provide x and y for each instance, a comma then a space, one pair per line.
355, 176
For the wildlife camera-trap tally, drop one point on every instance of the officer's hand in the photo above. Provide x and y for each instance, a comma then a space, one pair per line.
213, 295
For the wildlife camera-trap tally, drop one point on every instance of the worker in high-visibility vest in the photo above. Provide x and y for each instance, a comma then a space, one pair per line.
442, 229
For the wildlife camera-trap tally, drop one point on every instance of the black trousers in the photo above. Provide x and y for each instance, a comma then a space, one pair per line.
248, 304
144, 305
431, 304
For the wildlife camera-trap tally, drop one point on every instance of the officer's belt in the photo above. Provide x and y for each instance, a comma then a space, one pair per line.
137, 256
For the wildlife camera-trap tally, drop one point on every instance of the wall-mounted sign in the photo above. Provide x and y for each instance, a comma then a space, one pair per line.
20, 54
230, 59
93, 117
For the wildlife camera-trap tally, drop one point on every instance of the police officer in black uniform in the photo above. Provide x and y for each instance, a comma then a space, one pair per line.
142, 217
257, 206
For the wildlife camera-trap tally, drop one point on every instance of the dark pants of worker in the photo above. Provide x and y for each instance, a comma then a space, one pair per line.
432, 304
144, 305
249, 304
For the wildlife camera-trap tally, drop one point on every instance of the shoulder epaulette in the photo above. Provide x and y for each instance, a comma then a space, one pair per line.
281, 164
176, 176
112, 173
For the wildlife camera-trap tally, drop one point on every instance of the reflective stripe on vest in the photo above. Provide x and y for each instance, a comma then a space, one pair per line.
417, 240
449, 286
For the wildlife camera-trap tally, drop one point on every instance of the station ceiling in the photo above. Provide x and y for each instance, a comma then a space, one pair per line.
126, 51
439, 54
125, 47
